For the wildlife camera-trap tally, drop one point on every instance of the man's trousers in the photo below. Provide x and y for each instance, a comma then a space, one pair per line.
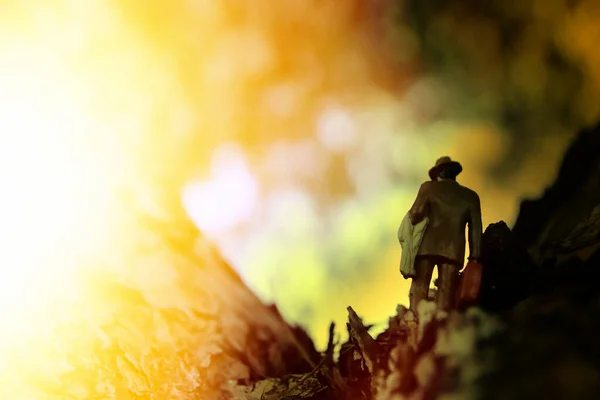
447, 281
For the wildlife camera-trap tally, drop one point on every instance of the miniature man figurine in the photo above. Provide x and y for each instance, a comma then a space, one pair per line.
450, 207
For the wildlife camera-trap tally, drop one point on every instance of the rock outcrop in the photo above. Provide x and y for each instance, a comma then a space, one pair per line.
197, 332
565, 221
533, 333
413, 359
169, 322
509, 272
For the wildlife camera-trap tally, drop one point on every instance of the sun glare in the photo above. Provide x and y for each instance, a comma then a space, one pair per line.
55, 199
228, 198
42, 179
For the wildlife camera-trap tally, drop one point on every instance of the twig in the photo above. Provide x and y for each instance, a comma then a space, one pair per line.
305, 378
262, 395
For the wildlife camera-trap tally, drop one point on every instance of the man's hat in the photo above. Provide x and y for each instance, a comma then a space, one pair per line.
444, 162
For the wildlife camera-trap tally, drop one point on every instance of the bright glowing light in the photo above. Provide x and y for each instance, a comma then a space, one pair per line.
336, 129
46, 187
62, 140
228, 198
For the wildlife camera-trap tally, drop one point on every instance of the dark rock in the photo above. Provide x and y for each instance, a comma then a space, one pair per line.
508, 271
396, 332
297, 363
551, 349
566, 219
354, 370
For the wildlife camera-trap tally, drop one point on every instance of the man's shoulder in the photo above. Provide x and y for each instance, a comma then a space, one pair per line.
434, 186
449, 186
425, 186
470, 192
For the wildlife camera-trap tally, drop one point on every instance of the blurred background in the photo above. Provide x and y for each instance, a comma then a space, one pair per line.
297, 132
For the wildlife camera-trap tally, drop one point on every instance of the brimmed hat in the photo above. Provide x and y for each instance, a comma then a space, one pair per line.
444, 162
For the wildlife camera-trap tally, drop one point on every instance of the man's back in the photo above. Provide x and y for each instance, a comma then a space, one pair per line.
450, 207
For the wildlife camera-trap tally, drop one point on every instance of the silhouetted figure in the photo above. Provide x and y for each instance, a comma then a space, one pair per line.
450, 207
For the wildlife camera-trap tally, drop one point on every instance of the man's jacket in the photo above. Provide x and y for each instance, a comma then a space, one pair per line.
449, 207
410, 238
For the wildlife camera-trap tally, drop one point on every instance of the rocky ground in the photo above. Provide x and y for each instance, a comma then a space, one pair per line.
534, 333
182, 325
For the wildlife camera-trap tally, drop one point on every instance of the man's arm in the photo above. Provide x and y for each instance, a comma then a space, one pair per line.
475, 230
419, 209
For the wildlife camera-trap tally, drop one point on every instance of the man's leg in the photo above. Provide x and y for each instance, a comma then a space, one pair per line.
448, 280
419, 289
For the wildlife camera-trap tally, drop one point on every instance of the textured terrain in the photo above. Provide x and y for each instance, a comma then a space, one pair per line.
532, 335
178, 323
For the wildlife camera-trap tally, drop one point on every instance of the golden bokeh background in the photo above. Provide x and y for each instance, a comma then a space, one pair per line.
295, 133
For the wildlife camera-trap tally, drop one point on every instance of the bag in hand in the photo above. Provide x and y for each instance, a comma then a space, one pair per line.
469, 285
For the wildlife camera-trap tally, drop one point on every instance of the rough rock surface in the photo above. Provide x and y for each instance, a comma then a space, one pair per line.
566, 219
509, 272
174, 324
412, 359
180, 324
551, 350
